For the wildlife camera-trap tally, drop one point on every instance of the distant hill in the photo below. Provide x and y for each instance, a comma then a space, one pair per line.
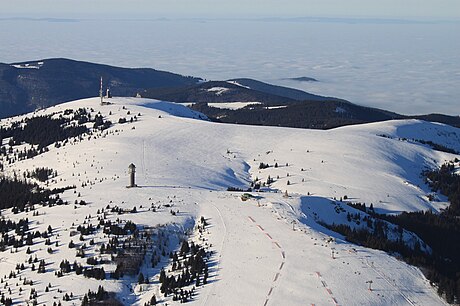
450, 120
282, 91
302, 79
306, 114
278, 105
27, 86
217, 92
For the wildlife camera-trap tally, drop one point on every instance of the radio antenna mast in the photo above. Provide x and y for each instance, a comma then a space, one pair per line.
100, 93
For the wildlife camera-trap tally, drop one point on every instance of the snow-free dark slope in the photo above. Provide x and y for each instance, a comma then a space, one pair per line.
216, 92
281, 91
30, 85
277, 105
273, 105
305, 114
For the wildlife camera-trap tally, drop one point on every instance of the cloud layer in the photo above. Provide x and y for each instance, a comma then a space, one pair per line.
409, 68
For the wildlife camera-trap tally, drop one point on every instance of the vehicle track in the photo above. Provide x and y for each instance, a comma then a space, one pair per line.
283, 256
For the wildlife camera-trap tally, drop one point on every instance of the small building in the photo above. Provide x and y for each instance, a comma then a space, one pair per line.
246, 196
132, 175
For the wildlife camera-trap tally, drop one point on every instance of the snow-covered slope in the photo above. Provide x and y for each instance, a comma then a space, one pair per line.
268, 250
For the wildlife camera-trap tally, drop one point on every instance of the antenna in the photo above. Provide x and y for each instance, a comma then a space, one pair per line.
100, 93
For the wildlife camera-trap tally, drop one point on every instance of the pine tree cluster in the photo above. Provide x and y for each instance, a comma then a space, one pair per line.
92, 298
192, 268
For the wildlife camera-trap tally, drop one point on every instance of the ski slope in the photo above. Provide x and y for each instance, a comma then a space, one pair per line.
268, 250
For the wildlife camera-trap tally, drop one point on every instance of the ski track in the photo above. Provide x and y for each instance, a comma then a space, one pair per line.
328, 290
211, 291
283, 256
143, 161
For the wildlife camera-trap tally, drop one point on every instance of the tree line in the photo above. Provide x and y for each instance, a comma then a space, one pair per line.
441, 231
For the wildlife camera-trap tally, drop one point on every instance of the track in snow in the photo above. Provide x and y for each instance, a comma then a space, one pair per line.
283, 255
205, 301
328, 290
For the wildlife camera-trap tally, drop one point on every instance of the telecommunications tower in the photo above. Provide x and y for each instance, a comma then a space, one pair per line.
100, 93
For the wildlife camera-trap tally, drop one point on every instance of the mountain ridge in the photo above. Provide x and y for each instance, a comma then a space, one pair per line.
26, 86
29, 85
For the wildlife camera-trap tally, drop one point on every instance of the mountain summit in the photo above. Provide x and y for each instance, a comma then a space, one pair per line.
219, 213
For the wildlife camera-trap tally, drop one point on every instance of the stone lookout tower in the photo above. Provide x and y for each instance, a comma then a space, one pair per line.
132, 175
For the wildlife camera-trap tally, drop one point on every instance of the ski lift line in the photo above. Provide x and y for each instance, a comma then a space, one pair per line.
390, 283
143, 161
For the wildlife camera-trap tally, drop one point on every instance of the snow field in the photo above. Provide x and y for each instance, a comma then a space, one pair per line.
268, 250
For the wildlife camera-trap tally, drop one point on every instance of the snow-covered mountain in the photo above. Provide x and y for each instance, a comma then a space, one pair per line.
270, 249
37, 84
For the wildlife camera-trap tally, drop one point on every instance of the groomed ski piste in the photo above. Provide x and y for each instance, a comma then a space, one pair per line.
267, 250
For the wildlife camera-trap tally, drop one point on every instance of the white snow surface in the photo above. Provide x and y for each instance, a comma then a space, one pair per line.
238, 84
227, 105
218, 90
232, 105
276, 107
269, 250
37, 65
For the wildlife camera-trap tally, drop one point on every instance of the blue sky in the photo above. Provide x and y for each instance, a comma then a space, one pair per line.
444, 9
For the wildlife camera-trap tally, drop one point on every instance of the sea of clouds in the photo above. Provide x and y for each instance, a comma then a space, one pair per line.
407, 67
